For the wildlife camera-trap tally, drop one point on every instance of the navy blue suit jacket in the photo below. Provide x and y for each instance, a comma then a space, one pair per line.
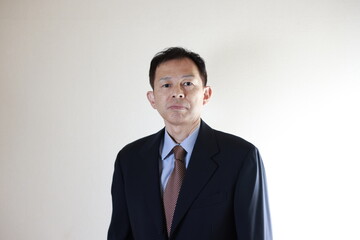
223, 195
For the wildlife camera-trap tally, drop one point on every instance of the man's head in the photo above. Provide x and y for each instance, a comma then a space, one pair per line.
179, 87
177, 53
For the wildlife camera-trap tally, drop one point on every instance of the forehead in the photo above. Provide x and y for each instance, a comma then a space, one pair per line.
176, 68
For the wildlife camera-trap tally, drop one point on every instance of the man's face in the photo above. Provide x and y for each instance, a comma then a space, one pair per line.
179, 93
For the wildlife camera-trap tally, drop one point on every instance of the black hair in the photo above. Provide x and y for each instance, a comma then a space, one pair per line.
177, 53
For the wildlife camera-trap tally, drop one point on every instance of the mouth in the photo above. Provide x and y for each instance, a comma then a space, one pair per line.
177, 107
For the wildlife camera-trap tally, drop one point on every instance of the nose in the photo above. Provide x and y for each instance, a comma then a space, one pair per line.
178, 93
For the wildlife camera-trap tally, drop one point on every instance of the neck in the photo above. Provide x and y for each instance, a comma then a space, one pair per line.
180, 132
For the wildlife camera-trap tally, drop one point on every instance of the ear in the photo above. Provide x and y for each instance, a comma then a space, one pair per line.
207, 94
151, 98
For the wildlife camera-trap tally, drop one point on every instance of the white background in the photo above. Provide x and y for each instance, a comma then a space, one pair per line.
74, 74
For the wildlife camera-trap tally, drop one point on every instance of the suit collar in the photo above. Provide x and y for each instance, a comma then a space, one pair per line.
149, 177
152, 144
199, 172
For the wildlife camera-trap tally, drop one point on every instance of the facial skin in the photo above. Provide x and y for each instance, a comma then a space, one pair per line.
179, 96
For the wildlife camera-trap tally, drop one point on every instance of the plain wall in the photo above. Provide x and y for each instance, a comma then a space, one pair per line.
73, 81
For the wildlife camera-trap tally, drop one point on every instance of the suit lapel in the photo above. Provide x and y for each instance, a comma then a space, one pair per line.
149, 177
198, 173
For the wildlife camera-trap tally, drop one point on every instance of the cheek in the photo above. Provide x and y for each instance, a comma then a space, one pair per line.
160, 100
198, 102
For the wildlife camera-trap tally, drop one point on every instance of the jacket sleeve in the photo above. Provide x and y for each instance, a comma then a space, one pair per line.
252, 215
120, 228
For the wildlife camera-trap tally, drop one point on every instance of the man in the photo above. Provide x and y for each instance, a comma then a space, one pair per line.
188, 181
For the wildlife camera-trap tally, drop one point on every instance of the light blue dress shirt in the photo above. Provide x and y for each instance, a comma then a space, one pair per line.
167, 157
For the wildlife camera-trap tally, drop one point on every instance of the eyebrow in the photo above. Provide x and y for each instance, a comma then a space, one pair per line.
164, 78
168, 78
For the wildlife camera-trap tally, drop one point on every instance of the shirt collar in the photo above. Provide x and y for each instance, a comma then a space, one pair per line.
187, 144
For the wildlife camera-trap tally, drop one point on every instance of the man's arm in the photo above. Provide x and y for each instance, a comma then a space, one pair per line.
120, 228
252, 215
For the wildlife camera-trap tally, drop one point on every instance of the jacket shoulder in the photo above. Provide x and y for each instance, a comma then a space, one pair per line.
232, 140
140, 143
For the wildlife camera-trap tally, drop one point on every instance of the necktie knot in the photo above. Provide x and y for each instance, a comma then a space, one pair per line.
179, 153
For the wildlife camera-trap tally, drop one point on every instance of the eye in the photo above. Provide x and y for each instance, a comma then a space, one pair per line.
166, 85
188, 83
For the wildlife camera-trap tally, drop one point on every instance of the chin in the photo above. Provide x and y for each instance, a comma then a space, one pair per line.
177, 121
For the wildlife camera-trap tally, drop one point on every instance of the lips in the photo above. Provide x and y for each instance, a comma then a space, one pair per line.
177, 107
